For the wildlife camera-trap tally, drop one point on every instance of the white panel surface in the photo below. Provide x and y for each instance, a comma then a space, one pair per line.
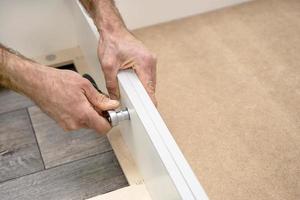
166, 173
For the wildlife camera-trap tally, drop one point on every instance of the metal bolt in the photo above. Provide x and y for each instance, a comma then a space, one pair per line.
114, 117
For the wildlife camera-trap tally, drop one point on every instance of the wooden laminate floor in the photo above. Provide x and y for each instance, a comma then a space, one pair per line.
38, 160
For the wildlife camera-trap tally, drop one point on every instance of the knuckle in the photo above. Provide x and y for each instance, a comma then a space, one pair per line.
150, 57
73, 76
82, 118
84, 111
63, 123
108, 63
153, 56
72, 126
84, 83
69, 123
68, 128
108, 70
105, 130
63, 126
68, 73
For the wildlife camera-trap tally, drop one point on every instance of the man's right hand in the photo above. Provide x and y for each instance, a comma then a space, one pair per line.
71, 99
64, 95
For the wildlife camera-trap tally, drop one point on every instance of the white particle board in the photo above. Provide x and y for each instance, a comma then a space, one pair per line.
164, 169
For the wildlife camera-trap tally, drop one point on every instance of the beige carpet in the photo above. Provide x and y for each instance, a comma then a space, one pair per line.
229, 90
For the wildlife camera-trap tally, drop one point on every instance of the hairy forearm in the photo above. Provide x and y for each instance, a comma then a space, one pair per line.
16, 71
105, 15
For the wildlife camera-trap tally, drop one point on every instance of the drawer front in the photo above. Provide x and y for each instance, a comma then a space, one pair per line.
166, 173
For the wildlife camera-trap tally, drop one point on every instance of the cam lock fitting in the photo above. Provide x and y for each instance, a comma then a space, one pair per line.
114, 117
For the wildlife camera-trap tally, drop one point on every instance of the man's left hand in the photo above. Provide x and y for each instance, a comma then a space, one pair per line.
121, 50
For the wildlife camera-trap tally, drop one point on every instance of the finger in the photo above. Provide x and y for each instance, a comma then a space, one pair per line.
97, 122
113, 88
70, 125
100, 101
128, 63
147, 75
110, 75
149, 84
148, 78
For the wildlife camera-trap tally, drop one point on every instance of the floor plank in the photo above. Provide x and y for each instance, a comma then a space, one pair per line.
58, 147
19, 151
76, 180
10, 101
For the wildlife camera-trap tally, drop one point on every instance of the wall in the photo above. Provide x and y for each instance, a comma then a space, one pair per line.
36, 27
137, 13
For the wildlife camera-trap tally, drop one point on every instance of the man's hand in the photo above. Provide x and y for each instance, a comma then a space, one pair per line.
64, 95
119, 51
72, 100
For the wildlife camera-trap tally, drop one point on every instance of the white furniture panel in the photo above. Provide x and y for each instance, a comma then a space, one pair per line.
166, 173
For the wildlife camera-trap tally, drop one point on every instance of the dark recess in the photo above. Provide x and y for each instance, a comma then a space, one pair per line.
69, 67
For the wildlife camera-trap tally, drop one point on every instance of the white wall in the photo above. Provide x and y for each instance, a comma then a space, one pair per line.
38, 27
140, 13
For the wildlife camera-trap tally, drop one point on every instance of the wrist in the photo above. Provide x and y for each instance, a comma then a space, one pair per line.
34, 79
106, 17
115, 30
114, 34
26, 75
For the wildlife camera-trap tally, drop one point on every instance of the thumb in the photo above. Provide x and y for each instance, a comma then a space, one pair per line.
100, 101
97, 122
